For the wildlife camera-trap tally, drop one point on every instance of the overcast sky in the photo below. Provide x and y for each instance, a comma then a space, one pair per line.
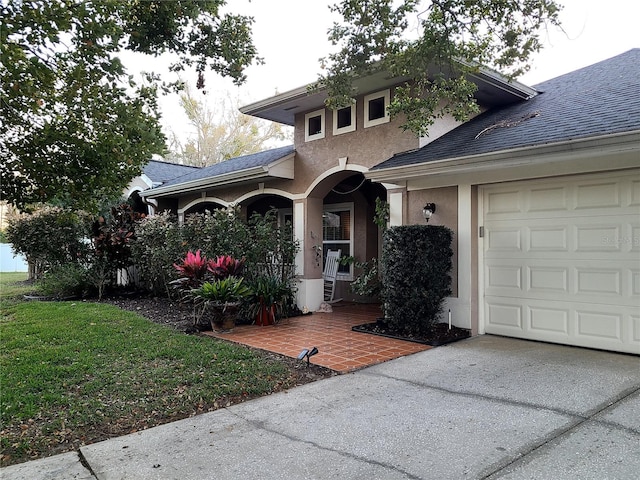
291, 35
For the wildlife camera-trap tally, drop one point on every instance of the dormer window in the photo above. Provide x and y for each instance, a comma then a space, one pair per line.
314, 125
344, 120
375, 108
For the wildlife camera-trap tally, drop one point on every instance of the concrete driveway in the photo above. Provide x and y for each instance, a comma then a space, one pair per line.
484, 408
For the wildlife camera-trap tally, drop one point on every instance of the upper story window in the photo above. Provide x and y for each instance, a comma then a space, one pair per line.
314, 125
375, 108
344, 120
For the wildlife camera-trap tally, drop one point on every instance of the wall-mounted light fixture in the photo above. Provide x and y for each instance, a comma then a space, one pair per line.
428, 210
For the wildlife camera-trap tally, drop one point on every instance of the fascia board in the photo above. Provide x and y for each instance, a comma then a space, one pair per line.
627, 142
262, 172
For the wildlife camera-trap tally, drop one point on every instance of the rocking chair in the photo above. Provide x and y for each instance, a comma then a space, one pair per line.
329, 275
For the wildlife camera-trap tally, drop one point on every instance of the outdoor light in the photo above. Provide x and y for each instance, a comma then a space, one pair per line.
307, 353
428, 210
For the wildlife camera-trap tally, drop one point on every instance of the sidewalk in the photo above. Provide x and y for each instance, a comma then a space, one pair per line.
483, 408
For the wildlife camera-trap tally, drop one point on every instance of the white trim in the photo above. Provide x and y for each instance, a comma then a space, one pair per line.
561, 158
349, 128
352, 167
340, 207
465, 242
298, 234
386, 94
132, 190
307, 117
266, 191
480, 213
192, 203
395, 209
281, 168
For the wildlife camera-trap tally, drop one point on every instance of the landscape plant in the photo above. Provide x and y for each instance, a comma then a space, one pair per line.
416, 261
157, 247
50, 237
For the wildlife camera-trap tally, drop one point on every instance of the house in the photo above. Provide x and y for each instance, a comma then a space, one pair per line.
542, 190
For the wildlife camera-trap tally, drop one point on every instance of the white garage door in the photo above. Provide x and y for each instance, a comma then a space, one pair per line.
562, 260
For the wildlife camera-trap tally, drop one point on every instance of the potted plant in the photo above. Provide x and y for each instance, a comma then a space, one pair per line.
269, 298
223, 298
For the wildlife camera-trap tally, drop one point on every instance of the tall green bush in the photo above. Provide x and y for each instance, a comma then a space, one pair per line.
157, 247
416, 261
50, 237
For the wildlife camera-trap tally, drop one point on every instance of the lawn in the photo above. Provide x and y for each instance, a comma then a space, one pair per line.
73, 373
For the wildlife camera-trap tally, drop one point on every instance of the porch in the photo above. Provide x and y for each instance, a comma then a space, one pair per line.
339, 348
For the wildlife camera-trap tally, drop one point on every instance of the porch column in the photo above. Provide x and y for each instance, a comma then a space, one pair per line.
307, 217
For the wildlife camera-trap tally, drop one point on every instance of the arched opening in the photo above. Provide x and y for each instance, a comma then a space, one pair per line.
202, 207
136, 202
261, 204
347, 201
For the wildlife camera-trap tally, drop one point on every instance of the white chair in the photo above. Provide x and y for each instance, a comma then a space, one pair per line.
329, 275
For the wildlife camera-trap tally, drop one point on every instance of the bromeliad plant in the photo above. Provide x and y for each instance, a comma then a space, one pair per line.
192, 269
225, 266
224, 297
204, 281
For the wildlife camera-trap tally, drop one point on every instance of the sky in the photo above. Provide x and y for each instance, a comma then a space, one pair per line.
291, 36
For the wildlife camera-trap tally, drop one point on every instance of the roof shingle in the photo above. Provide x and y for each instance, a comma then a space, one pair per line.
596, 100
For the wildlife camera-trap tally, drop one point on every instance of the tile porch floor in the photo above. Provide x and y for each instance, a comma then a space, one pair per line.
339, 348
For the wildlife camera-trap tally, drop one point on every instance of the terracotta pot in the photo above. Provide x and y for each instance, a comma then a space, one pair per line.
266, 315
224, 316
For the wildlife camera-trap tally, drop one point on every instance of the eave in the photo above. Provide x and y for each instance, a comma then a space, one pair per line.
282, 168
583, 155
493, 90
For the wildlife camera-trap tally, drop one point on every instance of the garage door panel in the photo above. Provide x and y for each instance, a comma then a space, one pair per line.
548, 199
598, 194
504, 317
593, 326
597, 324
562, 260
549, 321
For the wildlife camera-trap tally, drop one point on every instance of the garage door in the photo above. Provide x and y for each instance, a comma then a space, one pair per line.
561, 260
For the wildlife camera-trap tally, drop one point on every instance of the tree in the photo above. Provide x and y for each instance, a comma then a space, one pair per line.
454, 38
73, 125
221, 132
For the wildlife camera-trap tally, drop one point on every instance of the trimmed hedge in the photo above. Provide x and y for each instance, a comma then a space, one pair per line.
416, 261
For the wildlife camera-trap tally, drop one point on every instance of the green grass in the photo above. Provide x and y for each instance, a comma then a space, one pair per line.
73, 373
13, 285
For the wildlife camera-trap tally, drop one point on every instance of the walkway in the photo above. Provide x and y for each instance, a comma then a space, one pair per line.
339, 348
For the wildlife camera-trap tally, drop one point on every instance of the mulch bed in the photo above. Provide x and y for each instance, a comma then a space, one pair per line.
437, 334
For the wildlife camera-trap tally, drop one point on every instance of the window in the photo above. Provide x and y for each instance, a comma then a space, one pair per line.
337, 234
344, 120
314, 125
375, 108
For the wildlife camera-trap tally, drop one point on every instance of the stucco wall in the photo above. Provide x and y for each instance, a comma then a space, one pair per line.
446, 200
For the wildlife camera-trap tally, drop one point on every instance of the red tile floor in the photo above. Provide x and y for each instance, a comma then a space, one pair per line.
339, 348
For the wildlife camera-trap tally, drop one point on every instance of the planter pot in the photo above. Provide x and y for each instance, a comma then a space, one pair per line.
266, 315
224, 316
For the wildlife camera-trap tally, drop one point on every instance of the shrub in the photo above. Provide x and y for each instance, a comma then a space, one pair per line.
158, 245
63, 281
272, 249
221, 232
416, 260
49, 237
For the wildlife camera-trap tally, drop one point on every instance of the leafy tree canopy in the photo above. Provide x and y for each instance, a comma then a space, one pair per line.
220, 132
434, 44
73, 125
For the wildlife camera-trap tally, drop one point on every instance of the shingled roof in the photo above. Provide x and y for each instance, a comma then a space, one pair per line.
236, 164
161, 172
597, 100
